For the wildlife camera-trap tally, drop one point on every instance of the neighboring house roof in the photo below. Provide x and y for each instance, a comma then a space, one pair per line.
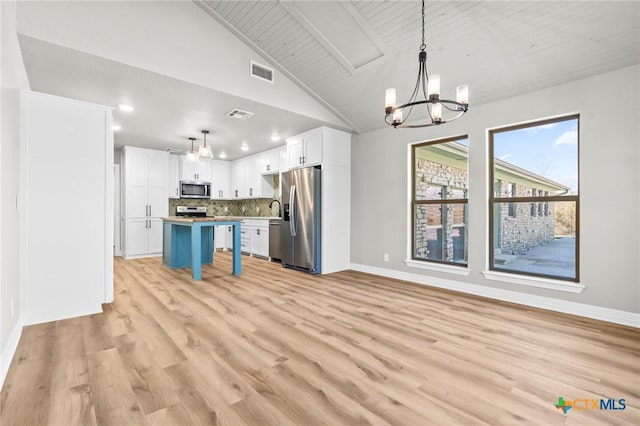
504, 170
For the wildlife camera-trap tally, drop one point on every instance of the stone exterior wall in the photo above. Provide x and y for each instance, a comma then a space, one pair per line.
520, 230
431, 178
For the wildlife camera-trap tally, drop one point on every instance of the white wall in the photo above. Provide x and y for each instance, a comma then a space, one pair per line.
67, 250
609, 179
176, 39
13, 78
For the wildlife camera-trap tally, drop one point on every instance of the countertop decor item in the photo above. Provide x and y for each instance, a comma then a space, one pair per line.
429, 87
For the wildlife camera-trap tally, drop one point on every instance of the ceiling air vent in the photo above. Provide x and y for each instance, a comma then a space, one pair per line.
261, 72
240, 114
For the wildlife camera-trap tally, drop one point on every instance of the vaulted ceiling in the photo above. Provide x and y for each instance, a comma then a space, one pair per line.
343, 54
346, 53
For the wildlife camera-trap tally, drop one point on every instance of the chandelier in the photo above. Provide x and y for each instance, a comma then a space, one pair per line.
429, 88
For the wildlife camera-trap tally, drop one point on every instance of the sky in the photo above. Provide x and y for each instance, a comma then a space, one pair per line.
549, 150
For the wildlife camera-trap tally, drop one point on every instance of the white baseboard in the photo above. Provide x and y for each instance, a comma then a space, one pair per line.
9, 351
573, 308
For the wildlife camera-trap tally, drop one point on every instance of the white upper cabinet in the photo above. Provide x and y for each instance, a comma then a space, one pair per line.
238, 170
173, 177
220, 174
195, 170
305, 149
269, 161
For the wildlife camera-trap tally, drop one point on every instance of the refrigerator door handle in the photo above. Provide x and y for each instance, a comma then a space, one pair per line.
292, 210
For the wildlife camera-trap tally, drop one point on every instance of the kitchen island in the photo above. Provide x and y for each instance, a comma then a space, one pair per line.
188, 242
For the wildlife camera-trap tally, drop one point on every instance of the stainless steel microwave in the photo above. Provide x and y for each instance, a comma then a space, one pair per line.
195, 189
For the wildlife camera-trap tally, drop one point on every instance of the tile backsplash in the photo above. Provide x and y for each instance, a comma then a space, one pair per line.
249, 207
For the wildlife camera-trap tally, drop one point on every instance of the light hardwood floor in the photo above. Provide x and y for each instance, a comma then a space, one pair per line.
280, 347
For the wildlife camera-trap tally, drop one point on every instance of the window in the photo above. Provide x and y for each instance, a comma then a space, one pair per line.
439, 201
535, 202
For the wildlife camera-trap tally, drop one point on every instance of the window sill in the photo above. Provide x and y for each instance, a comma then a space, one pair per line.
458, 270
569, 287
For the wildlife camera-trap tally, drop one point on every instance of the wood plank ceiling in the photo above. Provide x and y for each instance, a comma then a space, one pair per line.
501, 49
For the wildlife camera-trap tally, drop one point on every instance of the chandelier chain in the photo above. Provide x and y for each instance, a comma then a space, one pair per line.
423, 46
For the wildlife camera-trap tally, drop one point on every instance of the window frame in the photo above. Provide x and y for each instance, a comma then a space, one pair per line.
546, 199
442, 201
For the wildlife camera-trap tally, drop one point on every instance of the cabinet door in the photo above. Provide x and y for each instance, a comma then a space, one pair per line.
173, 177
136, 179
220, 171
157, 191
260, 241
237, 179
284, 166
155, 236
312, 148
295, 153
137, 237
252, 177
204, 170
188, 169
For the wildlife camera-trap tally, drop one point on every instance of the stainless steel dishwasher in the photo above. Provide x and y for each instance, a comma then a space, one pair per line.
274, 239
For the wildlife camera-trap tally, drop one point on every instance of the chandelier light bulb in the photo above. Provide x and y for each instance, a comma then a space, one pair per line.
397, 116
390, 97
462, 94
433, 89
436, 112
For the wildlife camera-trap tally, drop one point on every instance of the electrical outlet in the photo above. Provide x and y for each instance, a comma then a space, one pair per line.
257, 209
11, 307
385, 257
226, 209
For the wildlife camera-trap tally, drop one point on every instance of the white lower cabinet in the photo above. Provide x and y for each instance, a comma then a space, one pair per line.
254, 237
143, 236
260, 238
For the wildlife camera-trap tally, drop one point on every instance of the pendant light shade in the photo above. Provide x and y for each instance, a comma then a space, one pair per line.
192, 155
205, 150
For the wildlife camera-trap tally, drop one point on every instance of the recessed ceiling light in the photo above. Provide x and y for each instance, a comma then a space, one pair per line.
116, 127
222, 155
275, 138
244, 147
125, 107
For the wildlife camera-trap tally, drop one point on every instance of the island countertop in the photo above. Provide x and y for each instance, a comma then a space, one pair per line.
200, 219
215, 218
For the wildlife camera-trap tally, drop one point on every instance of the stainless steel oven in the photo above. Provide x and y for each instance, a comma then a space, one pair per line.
195, 189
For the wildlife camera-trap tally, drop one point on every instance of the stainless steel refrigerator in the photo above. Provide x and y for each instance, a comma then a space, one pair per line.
300, 229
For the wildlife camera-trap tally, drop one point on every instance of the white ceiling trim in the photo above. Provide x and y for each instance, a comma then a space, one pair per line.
368, 30
317, 34
222, 21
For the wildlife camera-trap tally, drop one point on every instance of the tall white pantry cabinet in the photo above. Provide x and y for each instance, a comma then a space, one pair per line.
144, 201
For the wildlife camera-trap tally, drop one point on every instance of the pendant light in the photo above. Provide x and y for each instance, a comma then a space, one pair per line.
205, 150
429, 87
192, 155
